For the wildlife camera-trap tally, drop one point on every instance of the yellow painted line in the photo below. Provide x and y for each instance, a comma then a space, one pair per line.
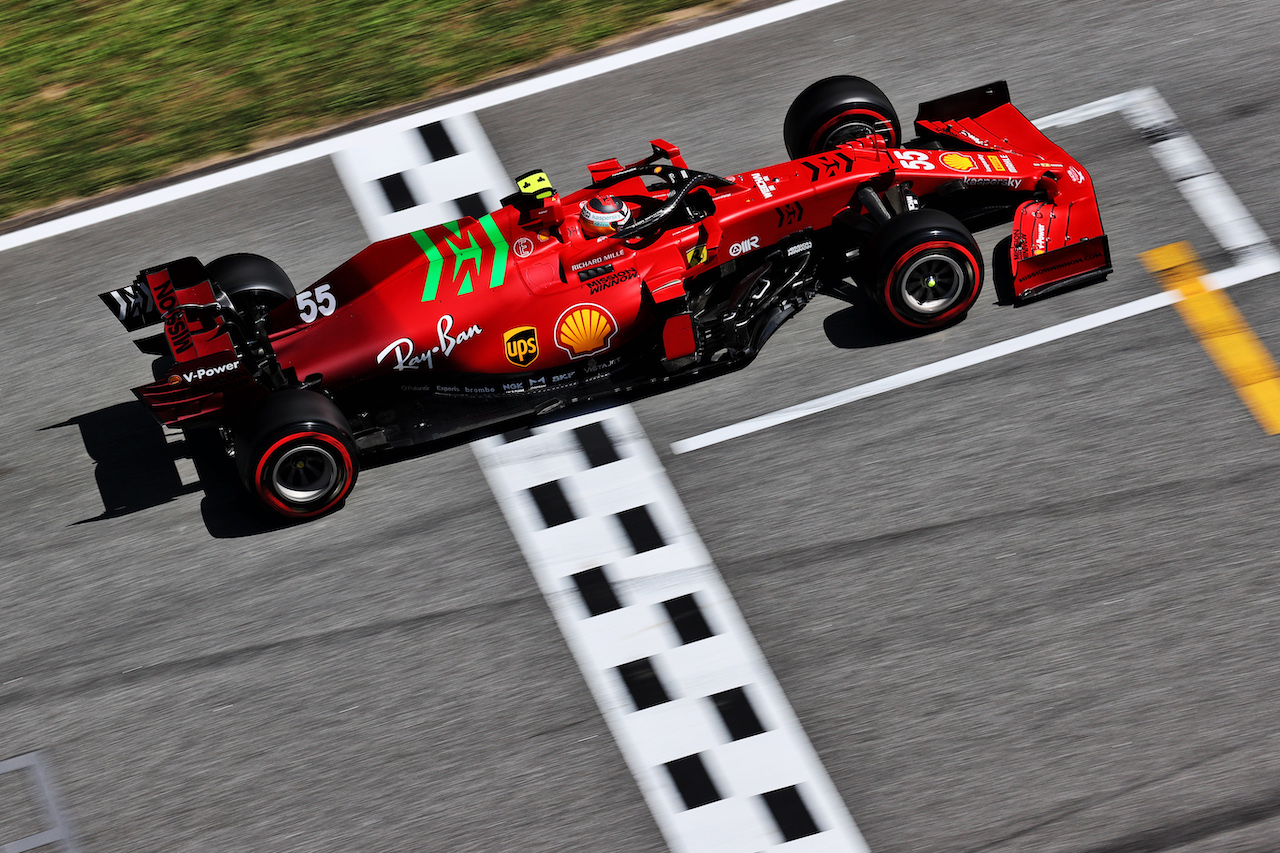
1222, 331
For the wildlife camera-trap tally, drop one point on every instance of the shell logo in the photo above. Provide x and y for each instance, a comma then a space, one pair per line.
959, 162
585, 330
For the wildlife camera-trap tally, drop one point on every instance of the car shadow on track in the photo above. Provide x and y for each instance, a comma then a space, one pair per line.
136, 469
859, 326
135, 466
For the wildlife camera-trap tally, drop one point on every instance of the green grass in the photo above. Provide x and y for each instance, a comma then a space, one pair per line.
96, 94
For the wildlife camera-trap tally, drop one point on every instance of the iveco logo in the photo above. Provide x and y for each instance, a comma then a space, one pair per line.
745, 246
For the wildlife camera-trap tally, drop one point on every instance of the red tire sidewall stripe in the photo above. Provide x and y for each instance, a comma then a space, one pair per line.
282, 507
959, 308
893, 137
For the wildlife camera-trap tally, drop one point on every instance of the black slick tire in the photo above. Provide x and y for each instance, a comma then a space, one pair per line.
927, 269
836, 110
254, 284
296, 454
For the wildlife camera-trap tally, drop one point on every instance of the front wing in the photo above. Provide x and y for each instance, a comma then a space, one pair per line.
1058, 241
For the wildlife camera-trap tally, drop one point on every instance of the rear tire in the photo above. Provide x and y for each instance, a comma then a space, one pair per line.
254, 284
836, 110
296, 454
928, 269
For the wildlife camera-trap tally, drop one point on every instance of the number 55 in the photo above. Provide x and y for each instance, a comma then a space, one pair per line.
320, 301
914, 160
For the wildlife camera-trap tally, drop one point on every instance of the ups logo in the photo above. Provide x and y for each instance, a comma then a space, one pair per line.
521, 344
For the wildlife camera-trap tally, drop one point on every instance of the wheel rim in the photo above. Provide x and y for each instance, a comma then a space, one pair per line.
305, 474
932, 283
848, 133
854, 124
254, 303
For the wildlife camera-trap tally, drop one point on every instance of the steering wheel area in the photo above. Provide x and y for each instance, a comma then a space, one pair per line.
681, 182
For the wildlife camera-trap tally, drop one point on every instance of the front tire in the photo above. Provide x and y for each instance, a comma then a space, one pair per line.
296, 454
928, 269
838, 110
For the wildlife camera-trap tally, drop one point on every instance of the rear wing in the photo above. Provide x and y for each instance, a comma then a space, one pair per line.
1058, 241
179, 295
207, 377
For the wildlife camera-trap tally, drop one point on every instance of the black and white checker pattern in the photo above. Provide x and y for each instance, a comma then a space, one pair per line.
402, 180
700, 718
31, 777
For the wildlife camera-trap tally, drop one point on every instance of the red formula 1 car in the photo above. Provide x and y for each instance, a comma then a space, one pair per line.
653, 275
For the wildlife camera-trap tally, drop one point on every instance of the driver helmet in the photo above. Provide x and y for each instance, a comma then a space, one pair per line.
603, 215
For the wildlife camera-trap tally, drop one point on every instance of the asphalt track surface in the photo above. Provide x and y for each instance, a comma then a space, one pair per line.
1026, 606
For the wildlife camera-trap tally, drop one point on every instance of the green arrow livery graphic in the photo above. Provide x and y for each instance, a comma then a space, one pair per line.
476, 254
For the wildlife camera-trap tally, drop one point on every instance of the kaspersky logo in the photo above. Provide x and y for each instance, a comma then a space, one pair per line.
521, 345
462, 259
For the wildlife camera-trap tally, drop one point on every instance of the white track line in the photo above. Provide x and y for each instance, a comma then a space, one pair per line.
471, 104
42, 791
928, 371
698, 715
1194, 176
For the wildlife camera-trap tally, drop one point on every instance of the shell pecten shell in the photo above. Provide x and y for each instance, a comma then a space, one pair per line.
585, 330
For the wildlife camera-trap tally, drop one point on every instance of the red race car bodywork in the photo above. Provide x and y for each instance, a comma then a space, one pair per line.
517, 313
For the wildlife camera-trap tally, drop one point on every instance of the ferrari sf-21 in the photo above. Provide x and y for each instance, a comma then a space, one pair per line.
654, 275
